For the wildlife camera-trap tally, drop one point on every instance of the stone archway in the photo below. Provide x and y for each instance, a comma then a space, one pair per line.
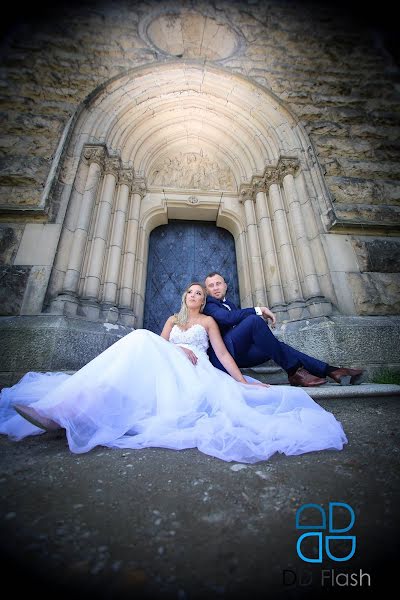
184, 140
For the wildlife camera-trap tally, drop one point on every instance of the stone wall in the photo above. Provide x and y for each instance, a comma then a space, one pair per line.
333, 73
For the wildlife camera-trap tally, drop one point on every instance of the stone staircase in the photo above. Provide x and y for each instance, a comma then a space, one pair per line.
274, 375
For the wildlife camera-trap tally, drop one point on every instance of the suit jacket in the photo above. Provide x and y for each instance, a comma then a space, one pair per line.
226, 318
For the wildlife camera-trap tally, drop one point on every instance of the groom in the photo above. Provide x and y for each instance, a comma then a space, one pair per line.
249, 339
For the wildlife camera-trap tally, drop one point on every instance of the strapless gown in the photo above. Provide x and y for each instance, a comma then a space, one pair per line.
144, 392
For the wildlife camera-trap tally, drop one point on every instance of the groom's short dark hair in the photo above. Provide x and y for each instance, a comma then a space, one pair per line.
213, 273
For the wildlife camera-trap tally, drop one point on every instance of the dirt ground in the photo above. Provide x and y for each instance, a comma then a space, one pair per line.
158, 523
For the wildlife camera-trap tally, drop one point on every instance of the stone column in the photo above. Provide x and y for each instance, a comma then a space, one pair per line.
139, 284
111, 279
290, 279
317, 250
92, 283
268, 255
256, 270
73, 273
129, 257
311, 284
67, 235
246, 296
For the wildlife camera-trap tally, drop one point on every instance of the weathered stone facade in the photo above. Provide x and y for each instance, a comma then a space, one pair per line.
118, 114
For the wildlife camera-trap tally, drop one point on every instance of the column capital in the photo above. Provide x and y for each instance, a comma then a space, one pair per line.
258, 184
139, 187
126, 176
95, 154
112, 164
287, 165
247, 192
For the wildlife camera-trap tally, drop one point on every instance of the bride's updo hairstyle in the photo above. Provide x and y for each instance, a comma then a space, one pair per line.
182, 317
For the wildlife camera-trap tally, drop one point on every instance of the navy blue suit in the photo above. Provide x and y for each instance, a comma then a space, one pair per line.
251, 342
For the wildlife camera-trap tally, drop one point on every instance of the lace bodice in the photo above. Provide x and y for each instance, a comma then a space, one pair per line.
195, 338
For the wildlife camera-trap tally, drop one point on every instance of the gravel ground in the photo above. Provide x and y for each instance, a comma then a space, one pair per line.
157, 523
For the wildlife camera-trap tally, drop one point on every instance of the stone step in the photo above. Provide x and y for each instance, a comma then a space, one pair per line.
274, 375
267, 374
326, 391
363, 390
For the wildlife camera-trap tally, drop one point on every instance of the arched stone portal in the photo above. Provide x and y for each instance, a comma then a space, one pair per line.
194, 142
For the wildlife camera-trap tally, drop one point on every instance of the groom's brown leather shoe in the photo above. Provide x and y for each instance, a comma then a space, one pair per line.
304, 379
345, 376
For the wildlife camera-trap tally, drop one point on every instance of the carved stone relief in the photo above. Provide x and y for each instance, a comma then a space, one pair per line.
192, 170
189, 34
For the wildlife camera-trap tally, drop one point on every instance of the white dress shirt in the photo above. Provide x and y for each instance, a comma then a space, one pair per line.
256, 308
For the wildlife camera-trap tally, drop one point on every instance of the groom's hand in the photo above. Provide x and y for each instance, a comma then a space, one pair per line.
267, 314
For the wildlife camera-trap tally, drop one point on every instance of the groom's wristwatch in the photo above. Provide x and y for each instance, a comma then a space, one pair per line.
258, 311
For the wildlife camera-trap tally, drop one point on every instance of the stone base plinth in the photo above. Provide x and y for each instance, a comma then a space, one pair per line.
370, 343
60, 343
51, 343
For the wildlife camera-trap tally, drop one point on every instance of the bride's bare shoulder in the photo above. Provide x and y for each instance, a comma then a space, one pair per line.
208, 322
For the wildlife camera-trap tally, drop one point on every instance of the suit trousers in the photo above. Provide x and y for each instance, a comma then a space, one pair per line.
252, 343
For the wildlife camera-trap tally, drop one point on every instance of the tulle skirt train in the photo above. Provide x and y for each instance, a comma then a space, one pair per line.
144, 392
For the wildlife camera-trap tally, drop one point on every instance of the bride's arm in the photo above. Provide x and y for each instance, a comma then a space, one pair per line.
225, 358
169, 323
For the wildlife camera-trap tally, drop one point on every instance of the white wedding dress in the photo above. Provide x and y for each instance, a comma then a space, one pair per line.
144, 392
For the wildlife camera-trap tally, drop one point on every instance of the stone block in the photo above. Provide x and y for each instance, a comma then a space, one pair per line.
13, 284
74, 347
38, 244
375, 293
25, 347
58, 343
52, 343
339, 252
297, 310
347, 341
366, 215
322, 308
358, 190
109, 314
377, 254
36, 286
89, 310
127, 318
10, 236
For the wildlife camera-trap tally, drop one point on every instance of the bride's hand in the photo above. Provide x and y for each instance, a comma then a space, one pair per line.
258, 384
190, 354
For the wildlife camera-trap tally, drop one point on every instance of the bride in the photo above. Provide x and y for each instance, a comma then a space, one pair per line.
162, 391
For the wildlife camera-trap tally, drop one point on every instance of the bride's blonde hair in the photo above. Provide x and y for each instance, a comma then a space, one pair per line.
182, 317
